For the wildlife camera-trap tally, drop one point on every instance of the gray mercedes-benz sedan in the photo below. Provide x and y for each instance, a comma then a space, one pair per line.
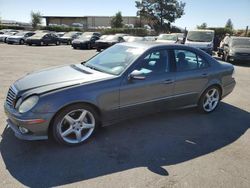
126, 80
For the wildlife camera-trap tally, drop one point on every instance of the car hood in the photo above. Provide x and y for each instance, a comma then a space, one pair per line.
241, 49
107, 41
80, 40
59, 77
198, 44
15, 37
4, 35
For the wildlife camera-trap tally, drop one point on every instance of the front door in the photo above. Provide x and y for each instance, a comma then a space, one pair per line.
150, 91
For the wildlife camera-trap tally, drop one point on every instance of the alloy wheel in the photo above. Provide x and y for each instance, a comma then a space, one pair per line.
211, 99
77, 126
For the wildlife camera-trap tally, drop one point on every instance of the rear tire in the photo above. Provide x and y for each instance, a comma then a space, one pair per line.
79, 120
210, 99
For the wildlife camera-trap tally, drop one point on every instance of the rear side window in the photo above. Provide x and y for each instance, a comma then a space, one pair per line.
186, 60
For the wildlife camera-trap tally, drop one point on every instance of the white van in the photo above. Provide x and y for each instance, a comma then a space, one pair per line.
203, 39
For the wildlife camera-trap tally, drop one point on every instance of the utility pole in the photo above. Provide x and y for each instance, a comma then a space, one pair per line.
246, 31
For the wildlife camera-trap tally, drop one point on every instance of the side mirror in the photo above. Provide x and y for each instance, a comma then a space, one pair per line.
136, 75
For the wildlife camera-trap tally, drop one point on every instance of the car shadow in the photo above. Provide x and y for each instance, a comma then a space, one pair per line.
153, 141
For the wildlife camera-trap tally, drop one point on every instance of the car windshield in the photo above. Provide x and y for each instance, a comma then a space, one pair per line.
69, 34
241, 42
112, 37
115, 59
167, 37
38, 35
85, 37
21, 34
135, 39
200, 36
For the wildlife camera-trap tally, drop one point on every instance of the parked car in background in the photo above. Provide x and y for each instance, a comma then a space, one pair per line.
133, 39
19, 38
108, 41
124, 81
202, 39
85, 41
42, 39
59, 34
92, 33
67, 38
6, 34
150, 38
121, 34
237, 50
170, 38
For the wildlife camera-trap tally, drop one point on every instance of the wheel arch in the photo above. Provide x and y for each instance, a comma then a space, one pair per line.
215, 84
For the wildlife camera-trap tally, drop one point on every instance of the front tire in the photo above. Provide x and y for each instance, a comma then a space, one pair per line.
21, 42
210, 99
75, 124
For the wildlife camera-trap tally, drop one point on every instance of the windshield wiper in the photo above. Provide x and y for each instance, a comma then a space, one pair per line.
92, 67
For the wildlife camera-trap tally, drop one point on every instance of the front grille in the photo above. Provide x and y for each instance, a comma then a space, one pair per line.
11, 96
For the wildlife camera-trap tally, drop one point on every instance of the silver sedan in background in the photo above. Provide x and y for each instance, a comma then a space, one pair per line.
19, 38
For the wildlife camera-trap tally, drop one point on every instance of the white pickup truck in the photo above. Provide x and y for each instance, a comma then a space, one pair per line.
202, 39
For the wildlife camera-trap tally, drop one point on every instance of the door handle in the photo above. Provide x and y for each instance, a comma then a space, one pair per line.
169, 81
204, 75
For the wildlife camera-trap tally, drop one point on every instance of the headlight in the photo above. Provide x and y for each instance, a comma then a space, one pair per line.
27, 104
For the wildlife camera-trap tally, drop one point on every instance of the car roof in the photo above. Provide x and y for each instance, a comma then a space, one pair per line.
234, 37
151, 44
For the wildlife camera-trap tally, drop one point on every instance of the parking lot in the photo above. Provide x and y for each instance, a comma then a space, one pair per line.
181, 148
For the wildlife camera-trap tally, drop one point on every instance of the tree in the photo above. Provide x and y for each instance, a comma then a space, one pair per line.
36, 18
160, 12
229, 24
202, 26
116, 21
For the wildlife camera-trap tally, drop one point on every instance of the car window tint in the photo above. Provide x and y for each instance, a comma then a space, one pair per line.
186, 60
154, 63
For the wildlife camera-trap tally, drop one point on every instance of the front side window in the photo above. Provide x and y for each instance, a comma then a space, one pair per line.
154, 63
186, 60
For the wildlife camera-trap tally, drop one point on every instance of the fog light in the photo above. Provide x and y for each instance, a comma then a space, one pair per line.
23, 130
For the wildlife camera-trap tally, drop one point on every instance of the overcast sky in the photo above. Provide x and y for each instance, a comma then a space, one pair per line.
214, 12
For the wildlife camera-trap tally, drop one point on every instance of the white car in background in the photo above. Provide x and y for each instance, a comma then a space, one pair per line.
19, 38
4, 36
202, 39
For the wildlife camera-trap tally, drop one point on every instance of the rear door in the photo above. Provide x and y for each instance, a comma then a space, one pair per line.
192, 75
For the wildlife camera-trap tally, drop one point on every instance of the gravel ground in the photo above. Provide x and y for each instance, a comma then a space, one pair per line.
172, 149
